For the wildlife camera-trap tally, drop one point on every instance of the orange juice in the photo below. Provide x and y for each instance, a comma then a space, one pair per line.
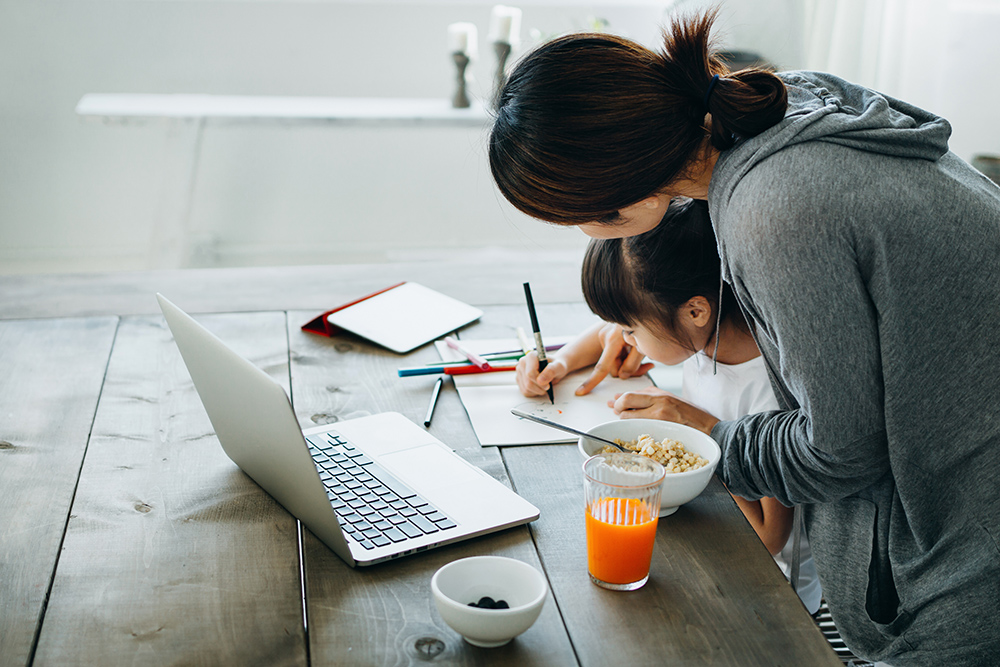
620, 537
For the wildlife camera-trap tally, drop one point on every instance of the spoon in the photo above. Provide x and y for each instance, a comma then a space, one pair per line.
561, 427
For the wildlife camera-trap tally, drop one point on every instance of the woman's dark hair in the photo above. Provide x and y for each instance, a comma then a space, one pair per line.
647, 278
588, 124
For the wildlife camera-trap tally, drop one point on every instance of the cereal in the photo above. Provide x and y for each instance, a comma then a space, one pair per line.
669, 453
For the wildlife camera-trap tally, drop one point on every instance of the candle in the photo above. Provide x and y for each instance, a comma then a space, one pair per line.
505, 24
462, 39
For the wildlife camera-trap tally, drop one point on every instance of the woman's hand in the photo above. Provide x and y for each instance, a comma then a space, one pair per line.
655, 403
618, 359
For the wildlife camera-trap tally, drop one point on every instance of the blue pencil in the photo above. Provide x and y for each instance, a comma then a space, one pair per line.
420, 370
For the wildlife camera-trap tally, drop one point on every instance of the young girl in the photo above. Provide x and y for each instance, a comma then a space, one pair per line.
662, 289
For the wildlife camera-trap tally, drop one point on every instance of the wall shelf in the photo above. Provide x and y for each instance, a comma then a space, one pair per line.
252, 108
171, 245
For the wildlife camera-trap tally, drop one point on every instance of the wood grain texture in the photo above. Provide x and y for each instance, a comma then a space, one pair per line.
378, 615
482, 278
51, 373
172, 555
714, 595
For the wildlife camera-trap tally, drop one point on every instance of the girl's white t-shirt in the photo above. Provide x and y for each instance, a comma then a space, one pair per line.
732, 392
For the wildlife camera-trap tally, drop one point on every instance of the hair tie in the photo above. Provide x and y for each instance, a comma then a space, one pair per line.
708, 91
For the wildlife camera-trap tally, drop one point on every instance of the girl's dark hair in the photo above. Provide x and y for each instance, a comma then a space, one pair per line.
588, 124
645, 279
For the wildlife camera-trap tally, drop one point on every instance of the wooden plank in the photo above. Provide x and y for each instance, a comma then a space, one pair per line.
378, 615
485, 279
51, 373
714, 596
172, 555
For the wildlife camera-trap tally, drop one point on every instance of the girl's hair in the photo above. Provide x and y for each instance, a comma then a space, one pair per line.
588, 124
645, 279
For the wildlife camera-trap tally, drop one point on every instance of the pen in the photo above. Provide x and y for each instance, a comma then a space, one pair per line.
543, 361
434, 400
469, 354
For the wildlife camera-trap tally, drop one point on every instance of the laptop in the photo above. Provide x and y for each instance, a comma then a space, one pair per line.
372, 489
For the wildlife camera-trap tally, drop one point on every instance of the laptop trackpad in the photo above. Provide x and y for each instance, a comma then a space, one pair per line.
431, 467
384, 433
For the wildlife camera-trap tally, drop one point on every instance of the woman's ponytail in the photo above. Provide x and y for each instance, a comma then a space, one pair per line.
742, 103
589, 124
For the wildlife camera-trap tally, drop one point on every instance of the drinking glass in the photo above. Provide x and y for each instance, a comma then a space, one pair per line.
622, 507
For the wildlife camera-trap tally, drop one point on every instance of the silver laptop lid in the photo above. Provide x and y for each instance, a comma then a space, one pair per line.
258, 430
256, 426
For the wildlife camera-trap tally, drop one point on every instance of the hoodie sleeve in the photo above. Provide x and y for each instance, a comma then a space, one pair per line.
801, 271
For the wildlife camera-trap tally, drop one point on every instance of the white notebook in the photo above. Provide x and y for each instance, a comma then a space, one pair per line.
405, 317
489, 397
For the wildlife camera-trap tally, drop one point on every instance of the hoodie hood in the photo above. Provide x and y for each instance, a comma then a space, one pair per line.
823, 107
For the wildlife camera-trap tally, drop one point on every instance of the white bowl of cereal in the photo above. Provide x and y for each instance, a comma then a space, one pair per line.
686, 477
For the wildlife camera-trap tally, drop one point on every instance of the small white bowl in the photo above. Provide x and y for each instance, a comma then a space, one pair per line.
467, 580
678, 487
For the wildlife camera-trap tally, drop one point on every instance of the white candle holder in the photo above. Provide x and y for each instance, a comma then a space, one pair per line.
502, 49
461, 98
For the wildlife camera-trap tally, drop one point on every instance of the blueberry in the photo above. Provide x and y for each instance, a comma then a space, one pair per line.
486, 602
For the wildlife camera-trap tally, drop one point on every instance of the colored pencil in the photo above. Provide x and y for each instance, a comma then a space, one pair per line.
424, 370
496, 356
469, 354
474, 370
450, 369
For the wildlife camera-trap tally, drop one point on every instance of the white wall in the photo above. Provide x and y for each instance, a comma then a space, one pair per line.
78, 195
937, 54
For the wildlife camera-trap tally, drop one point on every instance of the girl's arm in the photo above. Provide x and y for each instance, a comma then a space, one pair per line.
771, 520
656, 403
602, 344
580, 352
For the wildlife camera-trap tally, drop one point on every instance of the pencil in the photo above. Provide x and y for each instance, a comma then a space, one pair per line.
475, 370
513, 355
543, 361
434, 400
451, 369
422, 370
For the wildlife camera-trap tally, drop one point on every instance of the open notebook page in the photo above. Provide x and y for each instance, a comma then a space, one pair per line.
488, 399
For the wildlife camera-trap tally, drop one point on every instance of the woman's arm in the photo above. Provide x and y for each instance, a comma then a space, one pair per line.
801, 268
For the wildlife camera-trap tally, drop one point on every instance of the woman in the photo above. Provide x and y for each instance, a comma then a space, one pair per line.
864, 254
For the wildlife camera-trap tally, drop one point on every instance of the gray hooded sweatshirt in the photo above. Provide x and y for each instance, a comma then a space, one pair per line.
867, 256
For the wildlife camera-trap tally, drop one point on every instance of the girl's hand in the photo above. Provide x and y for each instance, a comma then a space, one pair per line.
618, 359
533, 383
655, 403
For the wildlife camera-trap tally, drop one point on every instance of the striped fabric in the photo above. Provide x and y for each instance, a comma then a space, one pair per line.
829, 630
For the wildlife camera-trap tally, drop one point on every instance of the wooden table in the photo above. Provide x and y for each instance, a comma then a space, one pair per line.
127, 536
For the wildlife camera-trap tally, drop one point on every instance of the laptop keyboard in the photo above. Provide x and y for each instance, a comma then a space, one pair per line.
375, 509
